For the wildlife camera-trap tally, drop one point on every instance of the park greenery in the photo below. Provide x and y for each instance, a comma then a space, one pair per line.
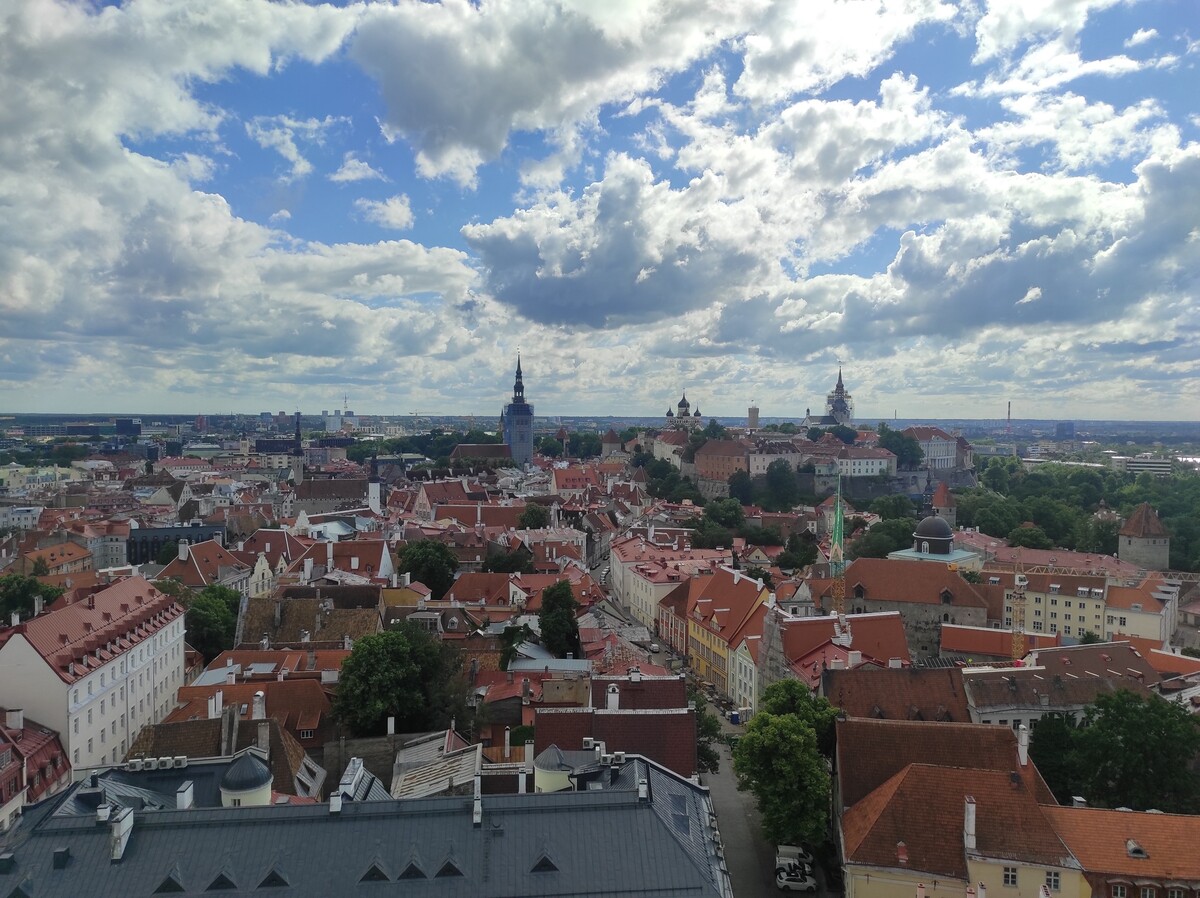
534, 517
783, 760
403, 672
1131, 751
211, 615
1061, 500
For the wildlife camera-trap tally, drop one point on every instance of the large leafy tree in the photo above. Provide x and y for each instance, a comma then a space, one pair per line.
801, 551
18, 593
888, 507
725, 512
560, 629
1052, 748
533, 517
793, 697
778, 760
211, 617
404, 673
1137, 752
1031, 537
906, 449
884, 537
430, 562
741, 487
781, 489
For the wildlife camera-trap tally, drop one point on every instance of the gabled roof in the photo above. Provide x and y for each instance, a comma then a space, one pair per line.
990, 642
879, 636
923, 433
1144, 524
923, 806
667, 736
203, 565
870, 752
1029, 687
644, 693
905, 693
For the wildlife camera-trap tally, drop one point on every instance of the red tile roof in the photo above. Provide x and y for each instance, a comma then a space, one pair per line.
879, 636
78, 638
1099, 839
1144, 524
923, 583
203, 565
646, 693
989, 642
923, 806
665, 736
932, 694
870, 752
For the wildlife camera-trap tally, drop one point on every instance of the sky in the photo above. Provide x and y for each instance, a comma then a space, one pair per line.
244, 205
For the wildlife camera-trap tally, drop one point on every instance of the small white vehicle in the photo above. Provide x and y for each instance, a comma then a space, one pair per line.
790, 854
795, 878
655, 648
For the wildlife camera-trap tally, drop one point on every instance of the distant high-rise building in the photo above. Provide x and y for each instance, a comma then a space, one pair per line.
516, 422
752, 418
128, 427
1064, 431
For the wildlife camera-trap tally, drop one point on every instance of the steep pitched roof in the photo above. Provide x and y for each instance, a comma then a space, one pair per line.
203, 565
1144, 524
923, 806
870, 752
667, 736
879, 636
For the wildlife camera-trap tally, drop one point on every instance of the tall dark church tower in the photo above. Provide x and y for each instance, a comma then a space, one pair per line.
518, 422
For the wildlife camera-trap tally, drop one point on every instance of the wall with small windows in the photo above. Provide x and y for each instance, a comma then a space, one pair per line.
1010, 879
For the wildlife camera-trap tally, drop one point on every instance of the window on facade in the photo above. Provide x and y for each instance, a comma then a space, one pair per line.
89, 716
1067, 631
1010, 875
75, 726
1037, 626
1147, 891
307, 734
1052, 880
1111, 620
1174, 893
1118, 891
1054, 601
1054, 628
1121, 621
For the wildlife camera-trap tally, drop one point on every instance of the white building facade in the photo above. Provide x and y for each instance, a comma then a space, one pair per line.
99, 670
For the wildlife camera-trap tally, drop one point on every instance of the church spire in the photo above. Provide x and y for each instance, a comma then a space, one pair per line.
519, 384
840, 386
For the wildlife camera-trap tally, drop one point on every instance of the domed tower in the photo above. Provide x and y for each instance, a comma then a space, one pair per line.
684, 408
518, 421
933, 536
247, 782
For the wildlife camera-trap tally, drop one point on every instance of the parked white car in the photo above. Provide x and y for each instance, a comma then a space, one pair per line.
785, 854
796, 878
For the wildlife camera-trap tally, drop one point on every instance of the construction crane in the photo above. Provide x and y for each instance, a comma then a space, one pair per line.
837, 559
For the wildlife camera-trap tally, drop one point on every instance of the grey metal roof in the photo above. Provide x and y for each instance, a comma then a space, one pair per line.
580, 843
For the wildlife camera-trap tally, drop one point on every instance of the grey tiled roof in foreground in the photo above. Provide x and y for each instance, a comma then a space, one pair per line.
580, 843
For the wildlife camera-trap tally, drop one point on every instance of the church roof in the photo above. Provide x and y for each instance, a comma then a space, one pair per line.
1144, 523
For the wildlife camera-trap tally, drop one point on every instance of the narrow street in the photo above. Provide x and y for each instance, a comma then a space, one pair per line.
750, 858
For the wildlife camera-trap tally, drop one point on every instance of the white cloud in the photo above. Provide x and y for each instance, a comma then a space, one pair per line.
394, 212
1141, 36
1006, 25
280, 215
354, 169
1033, 294
281, 133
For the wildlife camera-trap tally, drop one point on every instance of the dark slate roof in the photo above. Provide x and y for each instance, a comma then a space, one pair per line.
246, 774
532, 844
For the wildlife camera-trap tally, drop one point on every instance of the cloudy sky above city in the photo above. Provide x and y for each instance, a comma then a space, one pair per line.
242, 205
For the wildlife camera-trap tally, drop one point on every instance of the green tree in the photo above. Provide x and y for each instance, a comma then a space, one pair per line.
780, 487
906, 448
801, 551
725, 512
560, 629
533, 517
518, 561
404, 673
166, 553
40, 567
888, 507
1092, 638
741, 487
846, 434
793, 697
884, 537
1031, 537
1137, 752
510, 638
708, 732
549, 447
759, 573
1052, 748
814, 434
778, 760
584, 445
995, 477
19, 593
715, 431
210, 625
430, 562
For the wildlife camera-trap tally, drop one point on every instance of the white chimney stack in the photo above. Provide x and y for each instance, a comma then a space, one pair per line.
529, 756
614, 697
183, 550
14, 719
259, 708
969, 823
218, 703
185, 796
507, 743
981, 889
1023, 745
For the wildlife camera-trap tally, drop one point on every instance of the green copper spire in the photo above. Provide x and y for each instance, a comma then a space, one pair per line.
837, 563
